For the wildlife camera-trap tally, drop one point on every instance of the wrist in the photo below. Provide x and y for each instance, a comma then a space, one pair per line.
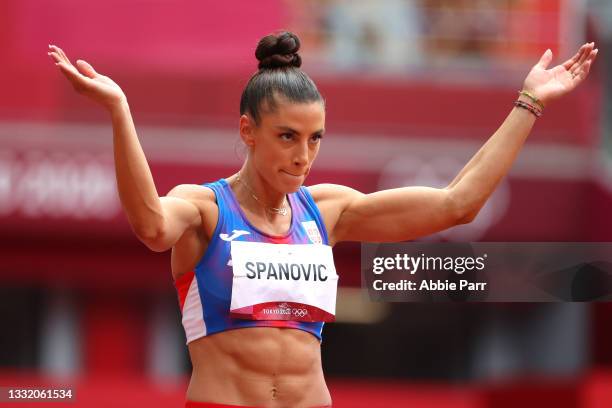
118, 106
528, 106
526, 99
529, 96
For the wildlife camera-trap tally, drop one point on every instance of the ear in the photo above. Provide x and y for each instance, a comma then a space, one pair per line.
247, 127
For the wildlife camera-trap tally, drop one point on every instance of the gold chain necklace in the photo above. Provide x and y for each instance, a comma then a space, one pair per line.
282, 210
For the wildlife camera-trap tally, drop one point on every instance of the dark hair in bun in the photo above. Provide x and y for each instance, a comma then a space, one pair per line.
279, 75
278, 51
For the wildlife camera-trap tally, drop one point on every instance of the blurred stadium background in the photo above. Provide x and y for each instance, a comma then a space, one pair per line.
413, 88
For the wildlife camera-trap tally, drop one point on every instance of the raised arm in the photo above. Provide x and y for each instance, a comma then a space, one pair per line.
407, 213
157, 222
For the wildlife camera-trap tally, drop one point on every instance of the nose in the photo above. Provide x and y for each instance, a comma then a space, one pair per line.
300, 158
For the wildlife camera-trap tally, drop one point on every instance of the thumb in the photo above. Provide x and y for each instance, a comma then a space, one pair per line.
86, 69
545, 59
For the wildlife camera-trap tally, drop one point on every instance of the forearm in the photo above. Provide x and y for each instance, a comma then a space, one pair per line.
479, 178
135, 183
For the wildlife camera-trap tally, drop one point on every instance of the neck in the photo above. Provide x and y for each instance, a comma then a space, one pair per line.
263, 197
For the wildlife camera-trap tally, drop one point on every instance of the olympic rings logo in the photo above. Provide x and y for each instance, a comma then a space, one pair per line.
299, 312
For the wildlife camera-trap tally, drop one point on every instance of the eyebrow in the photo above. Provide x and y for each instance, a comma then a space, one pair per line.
288, 129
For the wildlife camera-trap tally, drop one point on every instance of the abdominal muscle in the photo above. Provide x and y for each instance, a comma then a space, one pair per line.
258, 366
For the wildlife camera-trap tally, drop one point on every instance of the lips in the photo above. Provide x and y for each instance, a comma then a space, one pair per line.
294, 175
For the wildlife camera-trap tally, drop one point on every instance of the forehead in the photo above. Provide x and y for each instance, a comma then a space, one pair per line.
297, 115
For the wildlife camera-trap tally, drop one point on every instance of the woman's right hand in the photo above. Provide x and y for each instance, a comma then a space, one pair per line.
87, 81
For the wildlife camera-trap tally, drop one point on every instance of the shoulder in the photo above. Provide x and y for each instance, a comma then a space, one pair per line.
332, 200
194, 193
203, 198
333, 193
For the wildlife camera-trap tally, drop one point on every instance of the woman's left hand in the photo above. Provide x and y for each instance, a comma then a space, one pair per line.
550, 84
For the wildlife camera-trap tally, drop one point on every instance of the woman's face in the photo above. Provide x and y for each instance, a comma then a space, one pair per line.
286, 142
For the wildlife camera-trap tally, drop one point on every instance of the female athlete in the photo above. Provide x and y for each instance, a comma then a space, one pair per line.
251, 254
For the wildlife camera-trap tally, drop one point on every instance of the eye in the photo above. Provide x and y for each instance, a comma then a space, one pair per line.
286, 136
316, 138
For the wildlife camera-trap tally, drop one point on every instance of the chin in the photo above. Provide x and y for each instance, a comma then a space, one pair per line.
293, 187
292, 183
294, 190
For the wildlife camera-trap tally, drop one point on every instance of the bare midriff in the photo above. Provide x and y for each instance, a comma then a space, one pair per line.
259, 366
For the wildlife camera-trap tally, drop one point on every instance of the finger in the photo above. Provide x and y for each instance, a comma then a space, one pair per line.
54, 56
78, 81
64, 69
58, 59
589, 62
584, 56
86, 69
568, 64
590, 58
584, 71
584, 52
586, 67
61, 53
545, 59
69, 71
56, 50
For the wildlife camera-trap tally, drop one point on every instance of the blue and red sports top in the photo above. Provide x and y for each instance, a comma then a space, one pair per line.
205, 293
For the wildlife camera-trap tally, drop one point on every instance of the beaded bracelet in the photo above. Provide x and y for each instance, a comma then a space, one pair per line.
529, 107
532, 97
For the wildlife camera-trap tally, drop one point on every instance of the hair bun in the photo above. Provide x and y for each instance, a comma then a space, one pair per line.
278, 50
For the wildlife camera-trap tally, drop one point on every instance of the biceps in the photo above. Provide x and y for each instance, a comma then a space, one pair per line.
397, 215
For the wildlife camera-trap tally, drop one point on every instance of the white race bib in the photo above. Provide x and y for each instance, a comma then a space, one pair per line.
283, 282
